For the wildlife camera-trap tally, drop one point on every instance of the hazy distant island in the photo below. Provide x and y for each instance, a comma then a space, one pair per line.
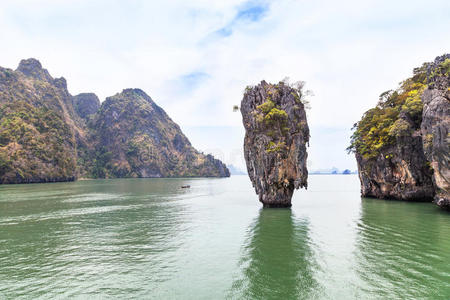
235, 170
276, 135
48, 135
402, 145
332, 171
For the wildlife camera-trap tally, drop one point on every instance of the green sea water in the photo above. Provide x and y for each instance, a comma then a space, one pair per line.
150, 239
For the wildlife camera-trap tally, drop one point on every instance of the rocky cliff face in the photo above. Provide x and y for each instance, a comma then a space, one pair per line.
275, 141
136, 138
38, 126
436, 125
402, 145
86, 104
48, 135
399, 172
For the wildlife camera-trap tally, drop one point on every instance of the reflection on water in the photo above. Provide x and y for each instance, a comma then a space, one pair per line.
277, 261
404, 250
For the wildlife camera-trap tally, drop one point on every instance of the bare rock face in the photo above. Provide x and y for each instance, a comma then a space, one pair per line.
435, 129
32, 68
86, 104
399, 172
275, 141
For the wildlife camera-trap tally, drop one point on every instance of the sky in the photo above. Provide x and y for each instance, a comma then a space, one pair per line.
195, 58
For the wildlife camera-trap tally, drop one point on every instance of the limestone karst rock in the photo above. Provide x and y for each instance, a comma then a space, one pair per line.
401, 172
134, 137
48, 135
436, 125
38, 126
402, 145
275, 141
86, 104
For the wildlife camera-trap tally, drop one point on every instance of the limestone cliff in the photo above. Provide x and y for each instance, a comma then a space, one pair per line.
134, 137
399, 172
436, 125
38, 126
86, 104
275, 141
402, 145
48, 135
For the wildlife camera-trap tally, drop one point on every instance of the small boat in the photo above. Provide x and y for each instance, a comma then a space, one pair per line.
185, 186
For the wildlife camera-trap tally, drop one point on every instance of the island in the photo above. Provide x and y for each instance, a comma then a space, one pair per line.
276, 135
402, 145
48, 135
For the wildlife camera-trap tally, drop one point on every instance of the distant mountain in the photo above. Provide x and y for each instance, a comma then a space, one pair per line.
48, 135
235, 170
39, 128
332, 171
134, 137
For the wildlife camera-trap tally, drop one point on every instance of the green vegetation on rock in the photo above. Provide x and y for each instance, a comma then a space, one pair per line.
401, 145
48, 135
276, 147
398, 112
274, 120
33, 140
266, 107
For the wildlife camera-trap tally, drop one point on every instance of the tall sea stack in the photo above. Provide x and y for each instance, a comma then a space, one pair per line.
275, 141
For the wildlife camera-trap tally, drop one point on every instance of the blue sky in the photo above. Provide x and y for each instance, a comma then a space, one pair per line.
194, 58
